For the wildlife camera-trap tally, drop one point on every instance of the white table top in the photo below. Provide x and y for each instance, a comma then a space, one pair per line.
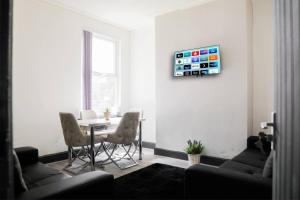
101, 122
93, 122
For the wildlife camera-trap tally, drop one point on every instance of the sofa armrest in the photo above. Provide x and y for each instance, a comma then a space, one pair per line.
251, 140
27, 155
91, 185
213, 183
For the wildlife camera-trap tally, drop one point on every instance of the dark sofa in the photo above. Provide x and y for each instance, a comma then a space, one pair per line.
238, 178
44, 182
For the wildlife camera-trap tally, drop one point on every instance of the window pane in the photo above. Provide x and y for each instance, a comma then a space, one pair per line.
103, 57
104, 91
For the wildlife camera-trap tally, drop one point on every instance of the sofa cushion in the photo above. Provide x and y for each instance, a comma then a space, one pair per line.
27, 155
240, 167
251, 140
206, 182
19, 183
40, 174
251, 157
263, 144
268, 169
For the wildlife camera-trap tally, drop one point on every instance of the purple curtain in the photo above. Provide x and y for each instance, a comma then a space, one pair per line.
87, 70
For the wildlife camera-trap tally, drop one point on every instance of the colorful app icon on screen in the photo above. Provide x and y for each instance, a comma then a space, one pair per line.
187, 73
203, 52
179, 67
187, 54
179, 74
203, 58
195, 59
204, 65
213, 71
179, 55
204, 72
186, 60
195, 53
195, 73
187, 67
179, 61
195, 66
213, 50
213, 64
213, 57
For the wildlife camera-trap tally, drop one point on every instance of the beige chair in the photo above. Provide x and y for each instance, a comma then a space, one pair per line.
75, 137
122, 139
88, 114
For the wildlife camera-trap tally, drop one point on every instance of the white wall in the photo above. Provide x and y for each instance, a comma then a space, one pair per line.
47, 74
47, 70
263, 89
214, 109
142, 77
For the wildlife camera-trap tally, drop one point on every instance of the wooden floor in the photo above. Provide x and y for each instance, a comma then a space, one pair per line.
148, 159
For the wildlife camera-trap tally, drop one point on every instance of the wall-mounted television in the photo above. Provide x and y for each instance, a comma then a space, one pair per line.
197, 62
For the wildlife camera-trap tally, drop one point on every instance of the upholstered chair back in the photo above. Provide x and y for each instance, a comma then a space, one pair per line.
71, 130
127, 129
88, 114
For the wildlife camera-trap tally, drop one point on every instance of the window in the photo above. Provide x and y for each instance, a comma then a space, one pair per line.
105, 80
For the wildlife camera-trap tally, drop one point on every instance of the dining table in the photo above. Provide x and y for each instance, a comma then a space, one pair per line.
110, 124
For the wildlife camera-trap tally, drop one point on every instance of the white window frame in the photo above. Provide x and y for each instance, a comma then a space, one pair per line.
117, 59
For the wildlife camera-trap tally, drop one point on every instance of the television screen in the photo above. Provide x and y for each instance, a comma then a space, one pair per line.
198, 62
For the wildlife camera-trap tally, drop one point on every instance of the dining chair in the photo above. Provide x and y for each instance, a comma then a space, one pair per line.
76, 137
88, 114
122, 139
141, 116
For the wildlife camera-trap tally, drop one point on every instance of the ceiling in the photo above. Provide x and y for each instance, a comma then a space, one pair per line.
129, 14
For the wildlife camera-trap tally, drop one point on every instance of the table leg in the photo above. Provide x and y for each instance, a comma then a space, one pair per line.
92, 149
70, 153
140, 141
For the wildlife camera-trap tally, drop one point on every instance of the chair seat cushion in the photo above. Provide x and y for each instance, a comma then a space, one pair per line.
251, 157
240, 167
98, 138
40, 174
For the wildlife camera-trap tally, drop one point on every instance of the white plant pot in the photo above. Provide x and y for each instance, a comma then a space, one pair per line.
194, 159
106, 115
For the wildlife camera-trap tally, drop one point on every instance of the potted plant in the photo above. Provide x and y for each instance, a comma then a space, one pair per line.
106, 114
194, 150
